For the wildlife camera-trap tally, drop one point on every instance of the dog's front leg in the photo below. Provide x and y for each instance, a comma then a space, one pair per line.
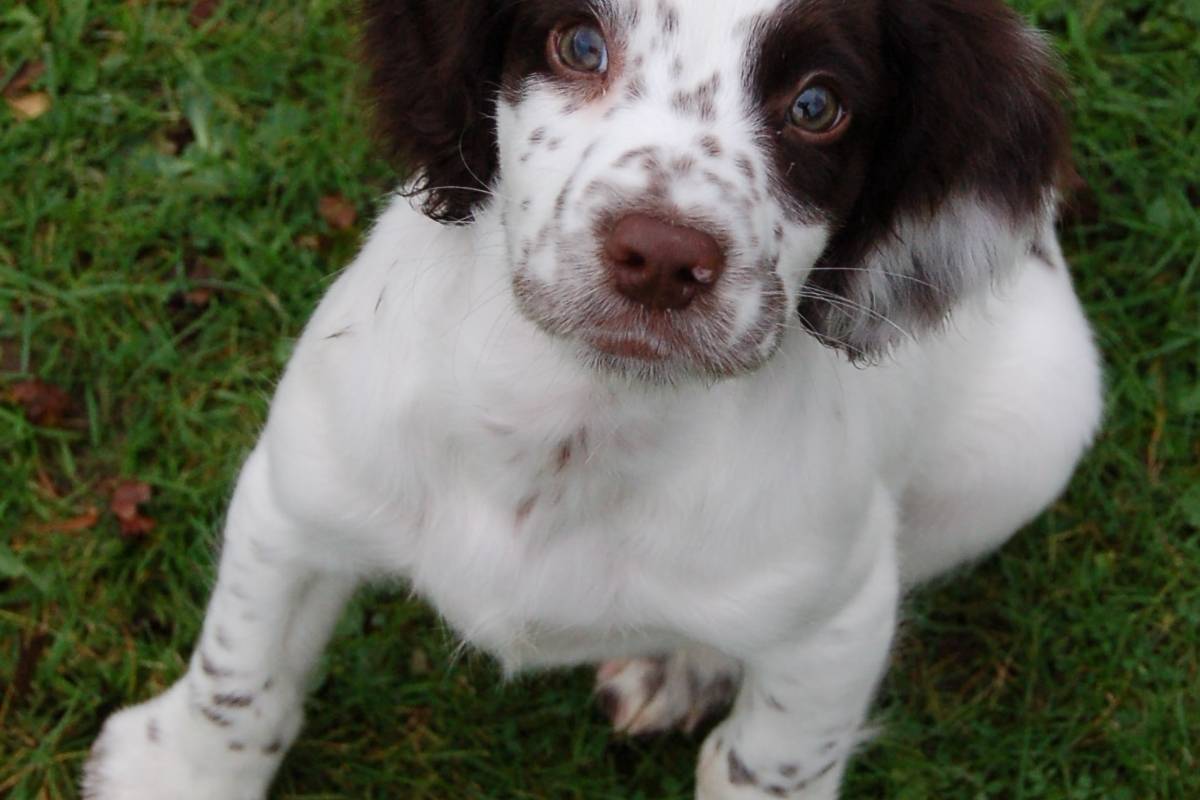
221, 731
801, 707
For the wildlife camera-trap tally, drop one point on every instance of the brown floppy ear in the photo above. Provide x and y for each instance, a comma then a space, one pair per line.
970, 147
433, 71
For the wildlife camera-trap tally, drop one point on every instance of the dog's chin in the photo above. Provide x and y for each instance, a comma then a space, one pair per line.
621, 340
644, 360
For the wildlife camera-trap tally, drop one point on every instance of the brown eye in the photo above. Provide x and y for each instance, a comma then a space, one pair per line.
817, 111
582, 48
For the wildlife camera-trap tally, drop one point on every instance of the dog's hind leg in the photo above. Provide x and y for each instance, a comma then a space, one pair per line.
653, 695
1026, 403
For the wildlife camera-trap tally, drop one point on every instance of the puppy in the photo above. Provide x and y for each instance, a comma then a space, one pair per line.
704, 328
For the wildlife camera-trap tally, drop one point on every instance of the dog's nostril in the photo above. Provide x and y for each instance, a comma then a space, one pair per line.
659, 265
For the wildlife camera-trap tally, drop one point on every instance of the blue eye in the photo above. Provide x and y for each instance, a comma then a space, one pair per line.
817, 110
583, 49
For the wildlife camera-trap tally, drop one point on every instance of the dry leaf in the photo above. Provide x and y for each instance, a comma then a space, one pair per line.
83, 522
199, 295
30, 106
26, 76
127, 499
44, 403
202, 11
339, 212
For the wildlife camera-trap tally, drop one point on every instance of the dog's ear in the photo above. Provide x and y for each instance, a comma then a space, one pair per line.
433, 70
967, 156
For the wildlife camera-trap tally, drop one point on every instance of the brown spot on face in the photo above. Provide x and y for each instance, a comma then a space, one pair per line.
683, 165
273, 748
711, 146
538, 135
700, 102
635, 89
237, 747
153, 732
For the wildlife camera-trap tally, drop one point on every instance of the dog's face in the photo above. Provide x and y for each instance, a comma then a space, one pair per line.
682, 181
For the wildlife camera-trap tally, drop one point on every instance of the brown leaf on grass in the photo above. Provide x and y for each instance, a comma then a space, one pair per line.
26, 76
202, 11
127, 498
44, 403
29, 106
200, 278
339, 212
77, 524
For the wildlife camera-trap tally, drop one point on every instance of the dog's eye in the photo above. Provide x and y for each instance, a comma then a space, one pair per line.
582, 48
817, 111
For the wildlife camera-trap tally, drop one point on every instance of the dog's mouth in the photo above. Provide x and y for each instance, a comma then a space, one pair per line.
627, 347
615, 335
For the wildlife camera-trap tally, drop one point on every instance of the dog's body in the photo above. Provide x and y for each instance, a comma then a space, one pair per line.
683, 480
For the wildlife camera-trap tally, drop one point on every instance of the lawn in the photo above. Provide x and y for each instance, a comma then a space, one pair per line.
179, 181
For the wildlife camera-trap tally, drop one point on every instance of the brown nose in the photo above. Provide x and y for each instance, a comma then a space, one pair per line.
662, 266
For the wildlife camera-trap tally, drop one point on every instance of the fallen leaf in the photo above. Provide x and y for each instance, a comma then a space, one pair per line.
202, 11
83, 522
44, 403
26, 76
339, 212
201, 292
127, 498
30, 106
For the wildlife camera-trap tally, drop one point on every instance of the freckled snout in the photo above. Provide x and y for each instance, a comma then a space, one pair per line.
662, 266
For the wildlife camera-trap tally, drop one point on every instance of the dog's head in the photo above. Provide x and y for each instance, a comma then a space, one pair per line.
681, 180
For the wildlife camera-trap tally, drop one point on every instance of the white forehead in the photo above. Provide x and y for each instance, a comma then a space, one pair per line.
697, 21
691, 35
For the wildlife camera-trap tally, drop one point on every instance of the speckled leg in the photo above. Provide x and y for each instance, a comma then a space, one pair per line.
222, 730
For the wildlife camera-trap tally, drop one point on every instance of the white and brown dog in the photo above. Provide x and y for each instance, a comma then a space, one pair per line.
720, 323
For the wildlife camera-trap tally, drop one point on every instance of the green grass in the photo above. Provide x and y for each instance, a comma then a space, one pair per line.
1067, 667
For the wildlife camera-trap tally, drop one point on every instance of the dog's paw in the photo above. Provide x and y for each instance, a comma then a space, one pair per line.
653, 695
157, 751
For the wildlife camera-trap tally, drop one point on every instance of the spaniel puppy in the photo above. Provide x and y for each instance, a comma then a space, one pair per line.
703, 329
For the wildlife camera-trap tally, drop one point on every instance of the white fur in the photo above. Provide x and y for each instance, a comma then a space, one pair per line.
557, 514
